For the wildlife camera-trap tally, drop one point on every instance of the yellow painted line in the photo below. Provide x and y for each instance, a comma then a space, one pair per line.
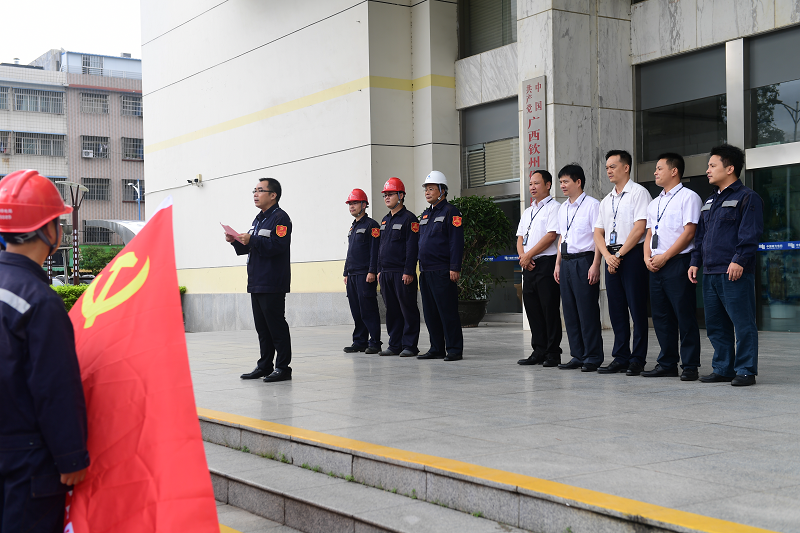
588, 497
375, 82
226, 529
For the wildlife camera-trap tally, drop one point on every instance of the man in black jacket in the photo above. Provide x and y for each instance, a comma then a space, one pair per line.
269, 273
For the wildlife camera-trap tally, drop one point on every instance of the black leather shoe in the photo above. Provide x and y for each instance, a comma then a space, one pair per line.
429, 355
715, 378
372, 349
408, 353
255, 374
532, 360
278, 375
613, 368
661, 372
571, 365
743, 381
453, 357
689, 374
634, 369
552, 362
388, 351
354, 349
589, 367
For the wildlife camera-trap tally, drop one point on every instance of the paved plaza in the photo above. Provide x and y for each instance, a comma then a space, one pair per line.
728, 452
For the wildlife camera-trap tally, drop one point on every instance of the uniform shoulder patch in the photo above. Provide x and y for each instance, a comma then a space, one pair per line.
280, 231
415, 227
457, 222
376, 232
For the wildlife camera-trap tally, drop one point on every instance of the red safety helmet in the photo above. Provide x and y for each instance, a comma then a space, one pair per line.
28, 201
394, 185
357, 196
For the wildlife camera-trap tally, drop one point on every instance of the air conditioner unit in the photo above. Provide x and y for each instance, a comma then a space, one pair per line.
87, 153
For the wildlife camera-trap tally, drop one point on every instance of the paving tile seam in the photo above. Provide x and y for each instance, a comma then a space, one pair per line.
589, 500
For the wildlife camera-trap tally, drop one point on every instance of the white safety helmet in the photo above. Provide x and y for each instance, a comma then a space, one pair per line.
436, 178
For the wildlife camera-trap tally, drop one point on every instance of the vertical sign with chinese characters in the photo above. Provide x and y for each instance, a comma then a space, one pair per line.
534, 131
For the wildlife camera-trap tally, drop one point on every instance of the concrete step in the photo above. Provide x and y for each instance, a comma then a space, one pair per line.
235, 520
316, 502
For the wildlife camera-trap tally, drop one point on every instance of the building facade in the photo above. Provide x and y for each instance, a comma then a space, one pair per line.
345, 94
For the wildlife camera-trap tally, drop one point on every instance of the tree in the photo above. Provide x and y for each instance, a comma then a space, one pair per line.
95, 258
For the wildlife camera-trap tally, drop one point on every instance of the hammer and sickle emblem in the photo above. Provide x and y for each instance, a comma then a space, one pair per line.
93, 307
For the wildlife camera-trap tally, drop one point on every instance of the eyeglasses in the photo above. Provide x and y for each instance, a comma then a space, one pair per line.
389, 194
259, 191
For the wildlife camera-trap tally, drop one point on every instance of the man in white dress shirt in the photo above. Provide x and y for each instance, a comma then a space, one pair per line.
536, 246
619, 234
671, 224
578, 271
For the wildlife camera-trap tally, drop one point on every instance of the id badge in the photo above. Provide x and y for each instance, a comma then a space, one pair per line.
563, 248
525, 240
654, 242
612, 238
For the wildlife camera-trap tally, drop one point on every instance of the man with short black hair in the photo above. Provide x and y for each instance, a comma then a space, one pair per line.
731, 222
577, 271
269, 275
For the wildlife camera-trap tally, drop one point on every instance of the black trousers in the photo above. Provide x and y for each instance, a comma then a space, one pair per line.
673, 302
363, 298
440, 307
402, 313
581, 305
542, 298
273, 332
627, 293
32, 496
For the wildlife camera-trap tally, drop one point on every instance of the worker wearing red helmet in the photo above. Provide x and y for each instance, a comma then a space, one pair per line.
397, 271
360, 275
42, 407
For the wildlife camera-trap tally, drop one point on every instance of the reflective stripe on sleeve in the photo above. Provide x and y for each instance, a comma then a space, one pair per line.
14, 301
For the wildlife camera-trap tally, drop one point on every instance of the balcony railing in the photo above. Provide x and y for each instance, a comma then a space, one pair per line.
106, 72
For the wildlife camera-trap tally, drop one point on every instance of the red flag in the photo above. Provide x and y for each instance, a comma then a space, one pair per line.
148, 468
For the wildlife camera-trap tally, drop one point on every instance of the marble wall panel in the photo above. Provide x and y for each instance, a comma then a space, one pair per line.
572, 137
618, 9
571, 75
443, 37
499, 73
468, 81
528, 8
787, 12
722, 20
615, 75
662, 27
444, 116
615, 132
535, 49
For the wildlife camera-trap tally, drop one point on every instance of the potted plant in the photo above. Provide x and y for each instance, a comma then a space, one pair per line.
487, 232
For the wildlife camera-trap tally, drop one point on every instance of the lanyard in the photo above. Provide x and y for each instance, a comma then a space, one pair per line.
661, 214
536, 213
615, 211
569, 222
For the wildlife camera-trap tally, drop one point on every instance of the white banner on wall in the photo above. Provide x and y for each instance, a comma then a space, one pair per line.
534, 130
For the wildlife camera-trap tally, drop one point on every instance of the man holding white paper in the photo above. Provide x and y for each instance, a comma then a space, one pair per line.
268, 278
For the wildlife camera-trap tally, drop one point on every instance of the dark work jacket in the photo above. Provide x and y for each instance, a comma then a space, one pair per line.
268, 266
362, 247
441, 242
399, 243
40, 380
728, 231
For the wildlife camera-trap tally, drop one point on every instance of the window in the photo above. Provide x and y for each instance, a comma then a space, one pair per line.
39, 101
92, 65
94, 103
131, 105
94, 147
5, 148
64, 190
132, 148
490, 149
95, 235
129, 193
486, 24
98, 188
4, 97
39, 144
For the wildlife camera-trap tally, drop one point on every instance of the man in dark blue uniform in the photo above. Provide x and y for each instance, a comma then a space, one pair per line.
269, 274
397, 271
42, 408
360, 271
725, 244
441, 250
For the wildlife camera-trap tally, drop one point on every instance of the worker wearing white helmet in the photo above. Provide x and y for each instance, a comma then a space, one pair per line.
441, 249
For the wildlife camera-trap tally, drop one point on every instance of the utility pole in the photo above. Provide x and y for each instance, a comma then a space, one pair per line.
138, 190
77, 192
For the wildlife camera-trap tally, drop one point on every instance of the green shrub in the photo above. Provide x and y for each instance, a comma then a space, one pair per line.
70, 293
95, 258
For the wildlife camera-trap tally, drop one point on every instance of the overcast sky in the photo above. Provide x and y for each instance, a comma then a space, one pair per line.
107, 27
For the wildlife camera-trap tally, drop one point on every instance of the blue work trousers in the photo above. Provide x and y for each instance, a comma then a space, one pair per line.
402, 313
440, 307
627, 293
673, 303
731, 306
581, 305
363, 298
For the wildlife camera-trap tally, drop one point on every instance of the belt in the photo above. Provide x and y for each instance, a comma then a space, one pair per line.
575, 256
20, 442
